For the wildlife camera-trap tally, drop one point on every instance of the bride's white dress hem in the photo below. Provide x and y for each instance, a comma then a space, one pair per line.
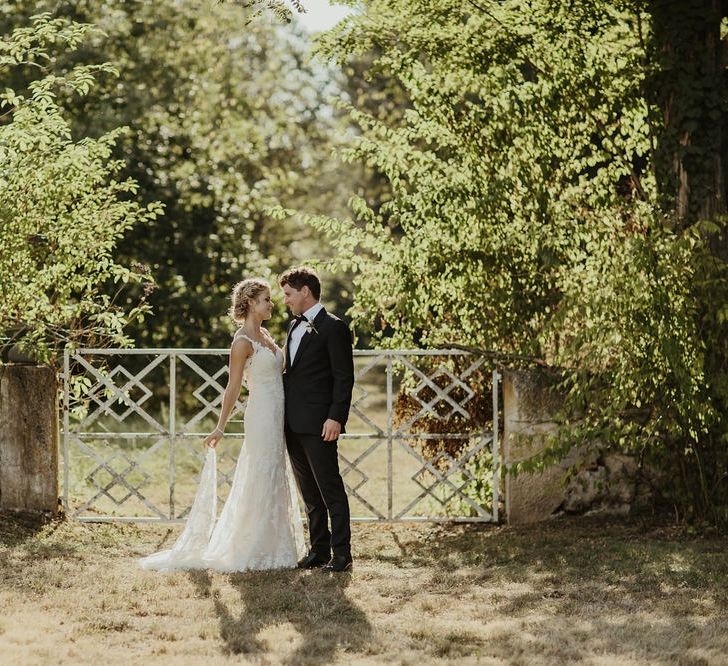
260, 526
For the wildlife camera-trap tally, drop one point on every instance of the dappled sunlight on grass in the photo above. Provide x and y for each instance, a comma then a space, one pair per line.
586, 591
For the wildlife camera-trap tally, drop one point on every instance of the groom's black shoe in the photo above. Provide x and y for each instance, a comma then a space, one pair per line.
311, 561
338, 563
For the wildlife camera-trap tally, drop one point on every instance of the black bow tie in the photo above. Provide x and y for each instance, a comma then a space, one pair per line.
299, 318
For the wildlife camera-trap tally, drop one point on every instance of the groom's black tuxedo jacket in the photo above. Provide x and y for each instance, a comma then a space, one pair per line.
319, 382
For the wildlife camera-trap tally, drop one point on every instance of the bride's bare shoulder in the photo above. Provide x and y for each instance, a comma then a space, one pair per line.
241, 341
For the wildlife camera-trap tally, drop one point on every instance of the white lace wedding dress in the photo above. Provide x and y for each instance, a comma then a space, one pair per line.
260, 525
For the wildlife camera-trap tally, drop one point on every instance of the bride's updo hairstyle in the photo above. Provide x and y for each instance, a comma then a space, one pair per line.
244, 292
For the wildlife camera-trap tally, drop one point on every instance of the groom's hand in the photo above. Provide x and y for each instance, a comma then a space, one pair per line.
331, 431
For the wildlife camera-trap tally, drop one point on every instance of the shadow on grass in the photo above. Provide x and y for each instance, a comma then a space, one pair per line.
17, 527
553, 593
315, 604
599, 558
645, 639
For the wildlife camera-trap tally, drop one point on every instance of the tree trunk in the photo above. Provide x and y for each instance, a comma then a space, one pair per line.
689, 87
28, 439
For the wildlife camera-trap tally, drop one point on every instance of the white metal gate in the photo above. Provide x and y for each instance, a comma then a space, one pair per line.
422, 440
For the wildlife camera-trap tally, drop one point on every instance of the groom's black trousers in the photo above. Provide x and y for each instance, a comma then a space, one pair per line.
316, 466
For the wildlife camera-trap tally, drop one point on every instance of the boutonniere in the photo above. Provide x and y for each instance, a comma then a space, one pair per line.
310, 327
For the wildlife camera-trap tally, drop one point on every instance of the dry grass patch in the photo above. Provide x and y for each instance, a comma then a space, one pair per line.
589, 591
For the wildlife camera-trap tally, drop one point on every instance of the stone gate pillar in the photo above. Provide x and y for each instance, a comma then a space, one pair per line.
28, 438
529, 406
599, 480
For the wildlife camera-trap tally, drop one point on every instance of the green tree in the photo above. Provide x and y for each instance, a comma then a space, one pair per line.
63, 207
550, 181
226, 119
280, 8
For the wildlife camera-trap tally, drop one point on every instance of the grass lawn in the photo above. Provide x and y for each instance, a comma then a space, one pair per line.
589, 591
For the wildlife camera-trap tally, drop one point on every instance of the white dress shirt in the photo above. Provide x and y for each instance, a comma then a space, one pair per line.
294, 340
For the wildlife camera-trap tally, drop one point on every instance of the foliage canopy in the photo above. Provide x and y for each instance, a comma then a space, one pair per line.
536, 210
63, 207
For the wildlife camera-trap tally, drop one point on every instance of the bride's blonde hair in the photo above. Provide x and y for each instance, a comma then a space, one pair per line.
244, 292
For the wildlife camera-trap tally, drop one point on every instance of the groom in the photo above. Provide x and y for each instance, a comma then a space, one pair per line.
318, 382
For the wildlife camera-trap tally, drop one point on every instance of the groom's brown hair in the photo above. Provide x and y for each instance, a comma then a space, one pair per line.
301, 276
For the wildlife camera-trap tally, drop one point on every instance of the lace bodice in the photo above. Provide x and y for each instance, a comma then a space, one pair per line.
264, 367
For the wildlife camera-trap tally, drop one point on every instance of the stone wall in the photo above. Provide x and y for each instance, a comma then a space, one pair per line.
28, 439
584, 481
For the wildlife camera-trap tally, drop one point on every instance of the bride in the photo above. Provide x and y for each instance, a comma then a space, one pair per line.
260, 526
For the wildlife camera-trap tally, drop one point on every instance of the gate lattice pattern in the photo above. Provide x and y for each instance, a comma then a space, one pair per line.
134, 420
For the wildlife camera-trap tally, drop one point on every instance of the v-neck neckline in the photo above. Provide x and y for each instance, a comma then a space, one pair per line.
274, 352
